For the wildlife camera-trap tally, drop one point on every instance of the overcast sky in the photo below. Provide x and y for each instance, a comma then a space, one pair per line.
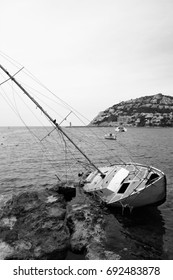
91, 53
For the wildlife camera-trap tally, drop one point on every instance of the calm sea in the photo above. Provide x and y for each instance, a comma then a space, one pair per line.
26, 163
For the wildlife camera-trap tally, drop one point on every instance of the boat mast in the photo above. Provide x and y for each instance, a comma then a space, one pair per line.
50, 118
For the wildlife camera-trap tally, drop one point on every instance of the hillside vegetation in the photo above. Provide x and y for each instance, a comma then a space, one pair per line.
154, 110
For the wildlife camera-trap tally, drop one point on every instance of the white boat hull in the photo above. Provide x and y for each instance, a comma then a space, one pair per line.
131, 185
110, 136
152, 195
120, 129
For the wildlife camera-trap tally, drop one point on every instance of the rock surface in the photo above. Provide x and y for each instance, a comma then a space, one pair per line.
49, 225
33, 226
86, 222
43, 225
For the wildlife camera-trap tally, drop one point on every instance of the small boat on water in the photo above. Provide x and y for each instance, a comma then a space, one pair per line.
110, 136
120, 184
120, 129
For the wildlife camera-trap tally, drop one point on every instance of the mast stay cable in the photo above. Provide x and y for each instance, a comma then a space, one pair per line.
50, 119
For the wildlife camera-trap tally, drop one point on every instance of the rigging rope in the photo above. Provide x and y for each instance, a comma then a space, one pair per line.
95, 144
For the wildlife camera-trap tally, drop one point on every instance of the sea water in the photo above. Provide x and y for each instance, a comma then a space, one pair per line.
28, 161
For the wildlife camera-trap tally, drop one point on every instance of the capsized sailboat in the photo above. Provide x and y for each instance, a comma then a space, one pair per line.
124, 184
131, 184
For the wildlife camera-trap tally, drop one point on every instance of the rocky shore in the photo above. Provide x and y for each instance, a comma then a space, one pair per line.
64, 223
53, 224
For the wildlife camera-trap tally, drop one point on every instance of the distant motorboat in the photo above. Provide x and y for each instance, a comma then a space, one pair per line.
120, 129
110, 136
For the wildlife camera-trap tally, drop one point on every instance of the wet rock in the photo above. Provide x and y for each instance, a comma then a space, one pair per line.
96, 251
48, 225
33, 226
86, 222
5, 250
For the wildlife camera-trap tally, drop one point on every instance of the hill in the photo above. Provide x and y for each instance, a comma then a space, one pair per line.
153, 110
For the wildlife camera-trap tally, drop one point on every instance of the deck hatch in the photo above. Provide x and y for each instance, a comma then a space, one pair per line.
117, 179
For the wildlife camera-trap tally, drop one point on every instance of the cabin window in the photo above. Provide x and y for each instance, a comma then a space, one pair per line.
124, 187
152, 178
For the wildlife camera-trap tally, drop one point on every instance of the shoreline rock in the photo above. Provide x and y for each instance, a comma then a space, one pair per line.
32, 227
47, 225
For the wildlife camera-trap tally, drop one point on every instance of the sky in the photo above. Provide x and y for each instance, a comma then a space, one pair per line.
91, 53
